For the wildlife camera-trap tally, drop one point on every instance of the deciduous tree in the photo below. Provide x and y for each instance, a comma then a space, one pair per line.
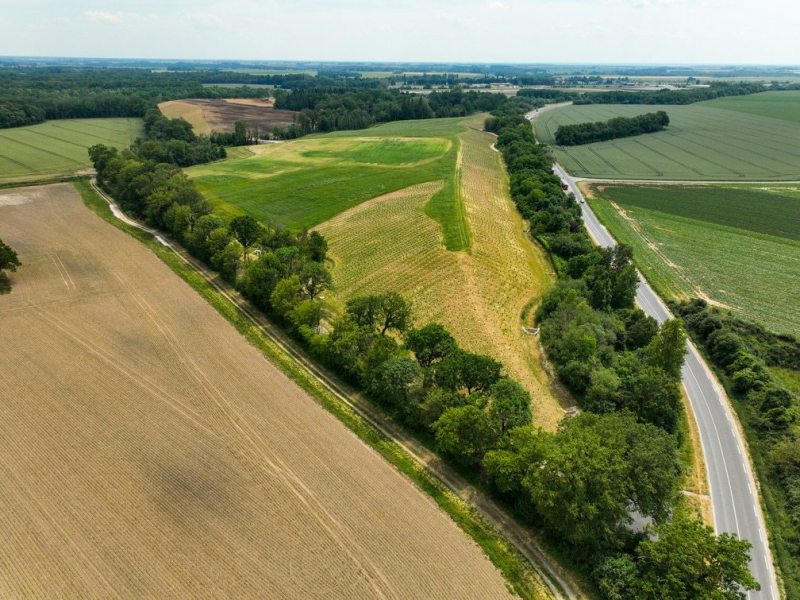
9, 261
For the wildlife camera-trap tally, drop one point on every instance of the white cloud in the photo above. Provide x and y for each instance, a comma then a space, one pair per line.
103, 17
496, 4
207, 19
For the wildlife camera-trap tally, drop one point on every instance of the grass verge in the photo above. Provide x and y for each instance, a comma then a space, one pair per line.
521, 578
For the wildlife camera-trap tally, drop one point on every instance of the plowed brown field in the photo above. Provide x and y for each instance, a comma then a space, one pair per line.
221, 115
146, 450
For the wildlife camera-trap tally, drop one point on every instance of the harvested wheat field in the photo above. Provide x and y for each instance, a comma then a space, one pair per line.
390, 244
146, 450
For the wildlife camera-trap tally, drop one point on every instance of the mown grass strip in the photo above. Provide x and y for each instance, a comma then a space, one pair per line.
521, 578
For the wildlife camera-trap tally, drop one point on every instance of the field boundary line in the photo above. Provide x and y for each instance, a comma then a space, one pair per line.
480, 506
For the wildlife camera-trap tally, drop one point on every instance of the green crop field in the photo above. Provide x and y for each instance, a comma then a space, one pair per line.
738, 247
59, 147
779, 105
303, 183
704, 141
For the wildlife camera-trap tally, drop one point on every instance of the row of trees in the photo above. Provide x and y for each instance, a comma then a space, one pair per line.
666, 96
598, 131
9, 261
746, 354
582, 483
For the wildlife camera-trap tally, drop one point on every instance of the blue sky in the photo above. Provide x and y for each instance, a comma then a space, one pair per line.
601, 31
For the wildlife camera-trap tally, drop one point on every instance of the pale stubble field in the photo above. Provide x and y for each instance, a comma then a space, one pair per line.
147, 450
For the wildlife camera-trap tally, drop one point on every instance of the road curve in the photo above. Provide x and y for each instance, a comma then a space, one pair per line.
732, 486
560, 584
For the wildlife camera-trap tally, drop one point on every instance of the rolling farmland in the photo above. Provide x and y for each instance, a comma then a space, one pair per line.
704, 141
59, 147
147, 450
738, 247
303, 183
391, 243
778, 105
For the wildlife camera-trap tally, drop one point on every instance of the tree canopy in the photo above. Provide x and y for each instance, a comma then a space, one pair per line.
8, 262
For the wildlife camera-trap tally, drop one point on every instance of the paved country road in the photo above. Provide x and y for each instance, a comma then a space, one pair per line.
732, 487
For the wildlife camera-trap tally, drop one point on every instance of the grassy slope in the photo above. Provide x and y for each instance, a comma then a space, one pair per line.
59, 147
753, 273
703, 142
524, 581
779, 105
303, 183
390, 243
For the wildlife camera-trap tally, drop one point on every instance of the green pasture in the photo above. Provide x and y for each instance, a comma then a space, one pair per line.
704, 141
305, 182
59, 147
737, 246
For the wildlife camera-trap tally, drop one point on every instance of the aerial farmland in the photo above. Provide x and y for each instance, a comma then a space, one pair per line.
59, 147
362, 300
180, 462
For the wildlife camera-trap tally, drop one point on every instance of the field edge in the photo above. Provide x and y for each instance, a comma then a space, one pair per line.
515, 569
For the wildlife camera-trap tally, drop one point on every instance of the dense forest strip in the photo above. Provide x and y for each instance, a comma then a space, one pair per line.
618, 127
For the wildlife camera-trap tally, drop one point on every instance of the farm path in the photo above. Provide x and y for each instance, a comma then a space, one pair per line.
560, 583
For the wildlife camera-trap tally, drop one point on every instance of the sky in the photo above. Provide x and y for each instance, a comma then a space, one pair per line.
520, 31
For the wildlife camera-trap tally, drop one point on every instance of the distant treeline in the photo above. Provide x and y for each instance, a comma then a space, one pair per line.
332, 109
455, 79
598, 131
621, 367
743, 353
680, 96
32, 95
